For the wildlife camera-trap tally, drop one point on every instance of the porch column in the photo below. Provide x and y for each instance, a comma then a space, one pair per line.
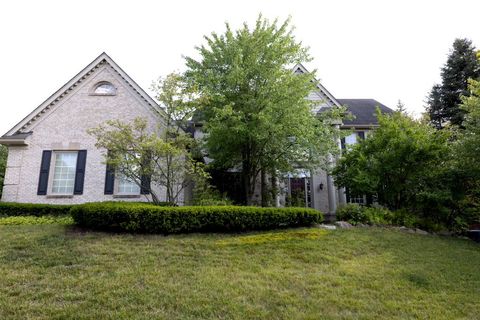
332, 199
342, 196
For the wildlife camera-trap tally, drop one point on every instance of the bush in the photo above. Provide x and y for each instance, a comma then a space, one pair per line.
355, 214
8, 209
142, 218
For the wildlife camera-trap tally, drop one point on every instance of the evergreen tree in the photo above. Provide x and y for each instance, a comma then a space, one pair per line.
444, 99
401, 107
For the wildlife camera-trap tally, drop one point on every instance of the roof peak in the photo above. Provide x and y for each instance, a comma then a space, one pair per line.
73, 82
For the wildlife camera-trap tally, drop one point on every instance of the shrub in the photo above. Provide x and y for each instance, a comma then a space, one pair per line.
153, 219
8, 209
355, 214
352, 213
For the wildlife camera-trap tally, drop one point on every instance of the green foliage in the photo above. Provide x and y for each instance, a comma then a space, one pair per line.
254, 107
204, 194
467, 158
406, 164
10, 209
468, 143
162, 154
153, 219
444, 99
355, 214
296, 199
399, 163
32, 220
3, 165
207, 195
136, 150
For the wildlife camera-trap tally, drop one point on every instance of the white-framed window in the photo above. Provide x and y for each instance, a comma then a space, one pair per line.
104, 89
126, 185
64, 169
351, 139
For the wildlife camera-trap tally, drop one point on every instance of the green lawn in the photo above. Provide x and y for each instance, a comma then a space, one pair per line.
54, 271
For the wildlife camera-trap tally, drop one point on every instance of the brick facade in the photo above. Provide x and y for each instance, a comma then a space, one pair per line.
64, 127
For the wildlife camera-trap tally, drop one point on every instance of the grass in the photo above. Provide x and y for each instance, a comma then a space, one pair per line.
59, 272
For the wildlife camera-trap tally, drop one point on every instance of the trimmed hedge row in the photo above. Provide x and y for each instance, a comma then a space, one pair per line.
13, 209
143, 218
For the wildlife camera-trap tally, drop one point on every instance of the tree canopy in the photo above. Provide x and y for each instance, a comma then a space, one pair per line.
256, 117
157, 156
443, 103
396, 163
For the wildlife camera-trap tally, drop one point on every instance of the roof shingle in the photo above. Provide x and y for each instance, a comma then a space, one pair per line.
363, 110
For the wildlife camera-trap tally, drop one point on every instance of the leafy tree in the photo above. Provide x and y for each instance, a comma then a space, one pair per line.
444, 99
3, 165
468, 143
256, 115
398, 164
467, 156
162, 155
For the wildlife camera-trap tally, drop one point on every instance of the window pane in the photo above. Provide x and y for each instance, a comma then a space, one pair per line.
105, 88
351, 139
125, 185
64, 172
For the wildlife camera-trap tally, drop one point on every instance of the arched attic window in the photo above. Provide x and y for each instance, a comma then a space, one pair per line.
104, 89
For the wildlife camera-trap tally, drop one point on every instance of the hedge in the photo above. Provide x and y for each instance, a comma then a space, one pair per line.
12, 209
141, 218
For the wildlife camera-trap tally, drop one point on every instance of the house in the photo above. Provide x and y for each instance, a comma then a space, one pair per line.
52, 159
317, 186
314, 189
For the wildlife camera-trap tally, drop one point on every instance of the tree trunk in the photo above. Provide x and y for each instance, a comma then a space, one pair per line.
247, 184
155, 199
264, 188
274, 189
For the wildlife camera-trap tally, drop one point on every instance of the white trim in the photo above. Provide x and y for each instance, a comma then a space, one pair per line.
320, 87
51, 173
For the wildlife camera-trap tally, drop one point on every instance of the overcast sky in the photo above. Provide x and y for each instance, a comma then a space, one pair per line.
384, 50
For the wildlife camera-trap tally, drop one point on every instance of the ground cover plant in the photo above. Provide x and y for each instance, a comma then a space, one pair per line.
32, 220
60, 272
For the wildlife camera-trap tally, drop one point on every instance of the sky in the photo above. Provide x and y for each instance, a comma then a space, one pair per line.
385, 50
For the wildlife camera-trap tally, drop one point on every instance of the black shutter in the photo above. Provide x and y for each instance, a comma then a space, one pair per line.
109, 179
361, 134
343, 143
80, 173
145, 182
44, 171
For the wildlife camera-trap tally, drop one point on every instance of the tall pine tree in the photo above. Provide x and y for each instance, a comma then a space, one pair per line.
444, 99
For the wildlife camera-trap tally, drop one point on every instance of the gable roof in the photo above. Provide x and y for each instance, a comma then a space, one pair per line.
363, 110
101, 60
324, 93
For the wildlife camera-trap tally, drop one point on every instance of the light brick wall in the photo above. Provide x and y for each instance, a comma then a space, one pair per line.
65, 127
